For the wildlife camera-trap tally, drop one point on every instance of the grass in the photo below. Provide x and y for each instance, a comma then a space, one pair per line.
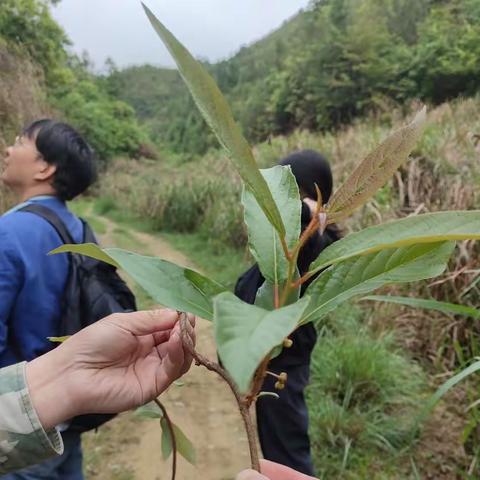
82, 208
223, 264
362, 396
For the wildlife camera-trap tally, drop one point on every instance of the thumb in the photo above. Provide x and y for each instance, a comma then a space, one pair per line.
250, 475
276, 471
146, 322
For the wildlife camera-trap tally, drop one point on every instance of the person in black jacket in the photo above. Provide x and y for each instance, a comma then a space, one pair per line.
283, 423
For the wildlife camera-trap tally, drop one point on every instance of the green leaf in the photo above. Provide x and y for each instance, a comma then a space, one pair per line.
184, 446
265, 297
246, 334
443, 307
149, 410
89, 250
58, 339
167, 446
264, 242
442, 390
363, 274
218, 115
427, 228
375, 170
168, 284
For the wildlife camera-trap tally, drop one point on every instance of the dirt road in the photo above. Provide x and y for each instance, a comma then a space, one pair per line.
128, 448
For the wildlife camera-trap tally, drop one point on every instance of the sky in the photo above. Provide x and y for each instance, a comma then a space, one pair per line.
210, 29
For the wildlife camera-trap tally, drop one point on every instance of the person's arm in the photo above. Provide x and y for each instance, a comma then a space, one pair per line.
23, 440
116, 364
11, 279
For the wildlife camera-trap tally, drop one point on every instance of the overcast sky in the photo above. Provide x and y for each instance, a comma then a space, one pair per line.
210, 29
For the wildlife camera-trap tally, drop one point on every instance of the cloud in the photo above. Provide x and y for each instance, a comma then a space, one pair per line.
211, 29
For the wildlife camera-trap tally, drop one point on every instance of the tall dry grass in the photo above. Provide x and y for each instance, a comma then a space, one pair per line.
22, 99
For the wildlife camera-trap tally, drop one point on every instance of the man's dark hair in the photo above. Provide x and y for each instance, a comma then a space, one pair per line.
61, 145
309, 168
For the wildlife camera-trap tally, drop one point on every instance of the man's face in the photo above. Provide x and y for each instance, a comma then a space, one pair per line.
21, 164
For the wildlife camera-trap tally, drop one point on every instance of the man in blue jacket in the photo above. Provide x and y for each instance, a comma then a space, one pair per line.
49, 164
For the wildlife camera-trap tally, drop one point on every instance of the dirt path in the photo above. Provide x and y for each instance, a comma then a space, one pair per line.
129, 448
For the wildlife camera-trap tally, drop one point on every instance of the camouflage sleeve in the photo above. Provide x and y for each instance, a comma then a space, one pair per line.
23, 441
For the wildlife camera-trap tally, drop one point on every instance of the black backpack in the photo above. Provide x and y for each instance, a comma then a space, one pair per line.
93, 291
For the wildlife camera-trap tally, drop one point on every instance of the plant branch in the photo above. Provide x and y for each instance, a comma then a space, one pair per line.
243, 403
258, 379
172, 436
276, 299
286, 251
302, 280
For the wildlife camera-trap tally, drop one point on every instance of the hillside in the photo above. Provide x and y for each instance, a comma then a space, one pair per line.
324, 67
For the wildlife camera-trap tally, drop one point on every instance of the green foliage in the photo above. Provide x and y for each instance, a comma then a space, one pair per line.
168, 284
109, 125
245, 334
321, 69
375, 170
363, 274
183, 445
203, 198
447, 60
427, 228
29, 24
443, 389
362, 396
444, 307
264, 241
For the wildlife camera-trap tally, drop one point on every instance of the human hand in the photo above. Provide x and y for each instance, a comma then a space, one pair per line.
272, 471
118, 363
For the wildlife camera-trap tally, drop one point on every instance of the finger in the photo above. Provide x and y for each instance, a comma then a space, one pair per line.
146, 322
280, 472
191, 319
250, 475
188, 359
161, 337
173, 361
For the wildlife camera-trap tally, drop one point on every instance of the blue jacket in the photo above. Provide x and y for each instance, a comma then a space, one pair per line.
31, 282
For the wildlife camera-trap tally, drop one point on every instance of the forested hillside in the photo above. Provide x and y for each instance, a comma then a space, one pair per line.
40, 77
321, 69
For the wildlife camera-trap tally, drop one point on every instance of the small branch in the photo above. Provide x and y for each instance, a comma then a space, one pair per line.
258, 380
302, 280
318, 220
286, 251
243, 403
276, 299
172, 436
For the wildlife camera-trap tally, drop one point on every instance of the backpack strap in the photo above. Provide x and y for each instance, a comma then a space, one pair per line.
52, 218
88, 235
